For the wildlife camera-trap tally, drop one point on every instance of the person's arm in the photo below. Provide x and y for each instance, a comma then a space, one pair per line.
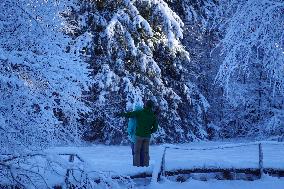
129, 114
131, 126
155, 126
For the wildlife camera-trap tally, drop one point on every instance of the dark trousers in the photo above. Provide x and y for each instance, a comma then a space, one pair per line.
141, 151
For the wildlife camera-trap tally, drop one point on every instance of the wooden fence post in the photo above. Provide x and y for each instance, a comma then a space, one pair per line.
260, 162
69, 171
164, 162
162, 168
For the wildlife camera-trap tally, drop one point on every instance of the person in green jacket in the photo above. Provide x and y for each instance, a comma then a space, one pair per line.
146, 125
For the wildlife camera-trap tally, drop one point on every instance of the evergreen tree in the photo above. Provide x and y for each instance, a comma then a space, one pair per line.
200, 39
135, 52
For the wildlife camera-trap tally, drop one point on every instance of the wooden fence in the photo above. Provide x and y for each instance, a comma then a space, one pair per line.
255, 171
227, 172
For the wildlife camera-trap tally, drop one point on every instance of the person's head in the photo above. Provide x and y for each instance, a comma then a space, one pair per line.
149, 104
138, 107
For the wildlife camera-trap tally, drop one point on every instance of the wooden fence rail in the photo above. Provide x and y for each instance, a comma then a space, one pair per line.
259, 171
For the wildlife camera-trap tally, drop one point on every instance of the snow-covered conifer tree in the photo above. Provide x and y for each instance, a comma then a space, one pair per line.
200, 38
135, 52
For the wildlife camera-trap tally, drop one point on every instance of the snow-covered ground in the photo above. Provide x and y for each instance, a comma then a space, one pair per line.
228, 156
265, 183
100, 162
118, 159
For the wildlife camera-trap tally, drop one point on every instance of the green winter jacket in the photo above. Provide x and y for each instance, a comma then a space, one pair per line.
146, 121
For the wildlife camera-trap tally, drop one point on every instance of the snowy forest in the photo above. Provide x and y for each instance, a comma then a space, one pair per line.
213, 68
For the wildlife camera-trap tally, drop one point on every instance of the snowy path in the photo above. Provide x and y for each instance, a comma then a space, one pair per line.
117, 160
